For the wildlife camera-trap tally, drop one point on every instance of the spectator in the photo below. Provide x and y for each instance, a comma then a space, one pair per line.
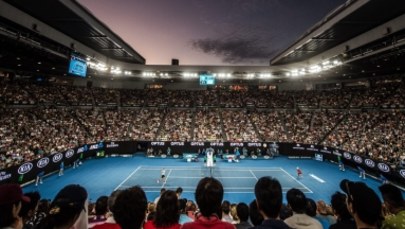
298, 203
11, 198
162, 190
28, 209
343, 218
209, 194
363, 204
67, 209
269, 197
110, 221
179, 191
324, 214
242, 211
395, 205
101, 209
130, 208
255, 217
42, 211
312, 210
167, 213
184, 218
226, 210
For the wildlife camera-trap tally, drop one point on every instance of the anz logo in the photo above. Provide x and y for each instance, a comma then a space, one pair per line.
383, 167
25, 168
57, 157
370, 163
347, 155
43, 162
358, 159
69, 153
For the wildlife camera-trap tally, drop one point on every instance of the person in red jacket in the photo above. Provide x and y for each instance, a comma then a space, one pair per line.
299, 173
209, 194
167, 213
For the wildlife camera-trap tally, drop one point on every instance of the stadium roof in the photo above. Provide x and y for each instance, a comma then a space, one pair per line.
72, 19
366, 36
351, 19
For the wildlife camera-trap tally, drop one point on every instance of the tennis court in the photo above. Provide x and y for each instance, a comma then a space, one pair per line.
234, 180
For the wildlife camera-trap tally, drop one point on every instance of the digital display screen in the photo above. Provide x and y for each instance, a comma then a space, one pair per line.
318, 157
207, 79
77, 66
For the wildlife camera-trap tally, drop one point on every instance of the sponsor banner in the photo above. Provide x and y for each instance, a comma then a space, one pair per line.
337, 153
217, 144
326, 150
384, 167
43, 162
312, 148
177, 143
69, 153
112, 145
236, 144
370, 163
197, 144
358, 159
402, 173
4, 175
254, 144
57, 157
347, 155
97, 146
25, 168
298, 147
157, 143
82, 149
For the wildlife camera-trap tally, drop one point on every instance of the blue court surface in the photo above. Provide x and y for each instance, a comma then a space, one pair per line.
101, 176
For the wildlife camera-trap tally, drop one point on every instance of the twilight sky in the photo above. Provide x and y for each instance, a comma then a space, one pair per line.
210, 32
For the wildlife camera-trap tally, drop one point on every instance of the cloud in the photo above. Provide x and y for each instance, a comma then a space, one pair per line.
236, 50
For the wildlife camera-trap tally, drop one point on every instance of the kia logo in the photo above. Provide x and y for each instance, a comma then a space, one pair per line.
357, 159
69, 153
383, 167
25, 168
402, 173
370, 163
57, 157
347, 155
43, 162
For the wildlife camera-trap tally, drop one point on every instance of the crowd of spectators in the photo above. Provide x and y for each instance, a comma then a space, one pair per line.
38, 119
355, 205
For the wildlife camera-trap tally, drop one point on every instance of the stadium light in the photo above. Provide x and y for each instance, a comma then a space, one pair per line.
315, 69
149, 74
115, 70
250, 76
265, 75
294, 72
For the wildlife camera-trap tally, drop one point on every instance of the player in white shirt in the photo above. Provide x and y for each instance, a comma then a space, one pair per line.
162, 176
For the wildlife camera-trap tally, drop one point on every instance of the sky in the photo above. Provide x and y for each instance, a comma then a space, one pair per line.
210, 32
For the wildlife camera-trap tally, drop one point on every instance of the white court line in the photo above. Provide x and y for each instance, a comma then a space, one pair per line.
130, 175
317, 178
215, 177
219, 169
310, 191
254, 176
180, 168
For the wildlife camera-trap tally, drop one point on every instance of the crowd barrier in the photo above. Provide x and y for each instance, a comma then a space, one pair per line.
28, 171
